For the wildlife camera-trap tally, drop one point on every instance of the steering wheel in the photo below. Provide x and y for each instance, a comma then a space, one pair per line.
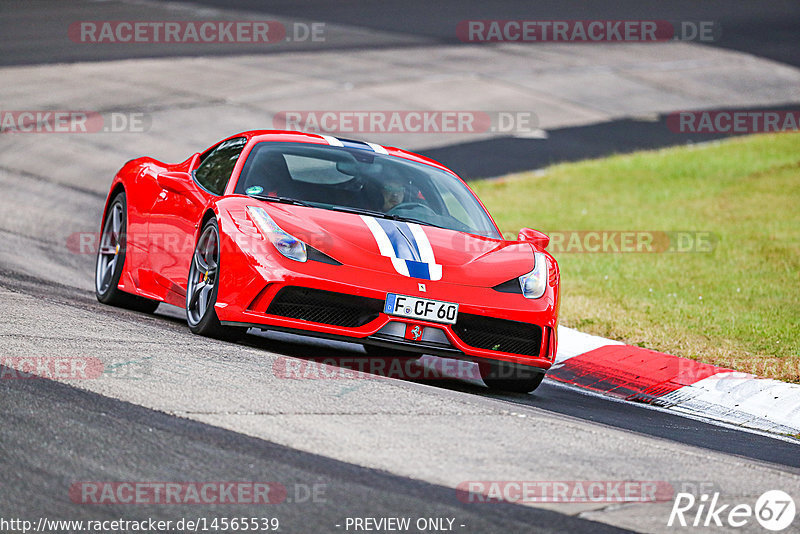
410, 206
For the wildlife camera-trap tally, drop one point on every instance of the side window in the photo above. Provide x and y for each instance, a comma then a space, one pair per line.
215, 171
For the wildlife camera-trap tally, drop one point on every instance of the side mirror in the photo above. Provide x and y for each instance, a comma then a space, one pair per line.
535, 237
175, 181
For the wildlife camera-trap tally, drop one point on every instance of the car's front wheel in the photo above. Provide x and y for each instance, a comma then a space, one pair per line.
505, 376
203, 285
111, 252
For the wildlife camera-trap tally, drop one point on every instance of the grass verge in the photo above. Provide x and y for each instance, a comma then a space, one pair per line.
731, 299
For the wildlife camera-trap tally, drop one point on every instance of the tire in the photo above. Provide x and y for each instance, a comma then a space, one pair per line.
203, 285
111, 252
504, 376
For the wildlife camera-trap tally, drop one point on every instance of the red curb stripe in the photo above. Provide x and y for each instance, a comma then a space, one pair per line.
632, 373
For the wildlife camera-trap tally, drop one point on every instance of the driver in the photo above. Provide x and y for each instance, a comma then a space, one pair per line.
394, 192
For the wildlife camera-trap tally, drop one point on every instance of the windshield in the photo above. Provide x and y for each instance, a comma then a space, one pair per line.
353, 179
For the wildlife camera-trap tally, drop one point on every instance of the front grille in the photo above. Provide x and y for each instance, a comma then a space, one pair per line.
326, 307
498, 334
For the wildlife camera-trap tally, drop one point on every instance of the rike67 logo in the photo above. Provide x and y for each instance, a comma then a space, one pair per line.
774, 510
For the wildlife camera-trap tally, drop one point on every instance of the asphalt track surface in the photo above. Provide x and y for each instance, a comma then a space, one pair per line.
51, 431
201, 415
54, 435
768, 29
33, 34
505, 155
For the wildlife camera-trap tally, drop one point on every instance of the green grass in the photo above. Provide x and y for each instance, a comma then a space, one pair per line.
737, 306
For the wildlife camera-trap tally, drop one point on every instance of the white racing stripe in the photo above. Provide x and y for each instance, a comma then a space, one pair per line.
422, 242
377, 148
426, 251
384, 245
331, 140
400, 266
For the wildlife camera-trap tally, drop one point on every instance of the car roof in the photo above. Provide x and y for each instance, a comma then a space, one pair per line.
328, 140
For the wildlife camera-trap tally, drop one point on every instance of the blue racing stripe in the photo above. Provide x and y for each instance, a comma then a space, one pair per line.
403, 242
418, 269
349, 143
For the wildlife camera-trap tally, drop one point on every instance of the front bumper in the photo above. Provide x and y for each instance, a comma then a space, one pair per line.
248, 293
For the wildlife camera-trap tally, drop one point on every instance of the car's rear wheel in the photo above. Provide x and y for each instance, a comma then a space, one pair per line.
505, 376
111, 252
202, 287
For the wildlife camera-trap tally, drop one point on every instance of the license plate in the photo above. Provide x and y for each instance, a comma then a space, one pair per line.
417, 308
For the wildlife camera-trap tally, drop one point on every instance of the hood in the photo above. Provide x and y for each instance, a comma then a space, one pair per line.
408, 249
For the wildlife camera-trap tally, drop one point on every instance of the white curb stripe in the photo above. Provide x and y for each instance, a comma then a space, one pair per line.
733, 398
741, 399
572, 343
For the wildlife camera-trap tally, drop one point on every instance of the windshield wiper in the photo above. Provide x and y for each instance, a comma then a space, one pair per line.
346, 209
359, 211
418, 221
282, 200
382, 215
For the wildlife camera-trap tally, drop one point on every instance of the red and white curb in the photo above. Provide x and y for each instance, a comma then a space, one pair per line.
686, 386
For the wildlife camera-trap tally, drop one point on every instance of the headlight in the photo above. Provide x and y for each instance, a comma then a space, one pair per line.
534, 283
288, 245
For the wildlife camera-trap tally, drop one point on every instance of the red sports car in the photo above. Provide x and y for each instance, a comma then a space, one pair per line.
332, 238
